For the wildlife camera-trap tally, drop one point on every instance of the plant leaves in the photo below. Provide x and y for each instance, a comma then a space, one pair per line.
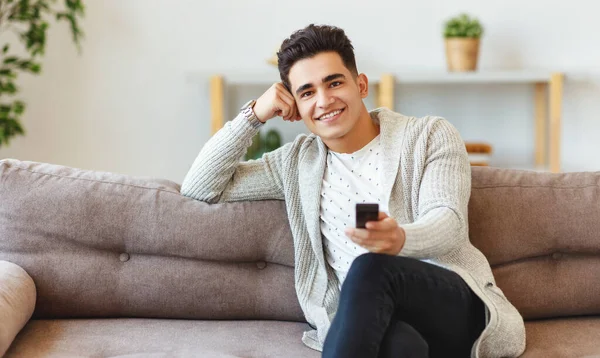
463, 25
11, 59
31, 18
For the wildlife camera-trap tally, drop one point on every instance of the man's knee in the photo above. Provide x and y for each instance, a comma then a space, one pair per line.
373, 261
368, 260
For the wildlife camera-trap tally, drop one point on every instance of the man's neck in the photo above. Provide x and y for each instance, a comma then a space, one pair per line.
362, 134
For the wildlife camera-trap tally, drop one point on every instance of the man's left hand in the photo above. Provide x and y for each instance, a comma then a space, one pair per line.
382, 237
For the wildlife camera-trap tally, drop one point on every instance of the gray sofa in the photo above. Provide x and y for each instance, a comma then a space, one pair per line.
102, 264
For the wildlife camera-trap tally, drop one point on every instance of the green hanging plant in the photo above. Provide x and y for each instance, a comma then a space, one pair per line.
261, 145
29, 21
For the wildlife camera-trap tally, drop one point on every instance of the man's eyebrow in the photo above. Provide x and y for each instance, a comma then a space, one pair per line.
303, 87
324, 79
333, 77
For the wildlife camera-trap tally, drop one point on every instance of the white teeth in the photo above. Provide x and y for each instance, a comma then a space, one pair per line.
332, 114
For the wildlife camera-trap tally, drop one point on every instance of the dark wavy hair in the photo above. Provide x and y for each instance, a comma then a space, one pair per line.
310, 41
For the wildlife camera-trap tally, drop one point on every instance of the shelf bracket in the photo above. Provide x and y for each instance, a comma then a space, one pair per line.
216, 103
385, 95
541, 118
556, 89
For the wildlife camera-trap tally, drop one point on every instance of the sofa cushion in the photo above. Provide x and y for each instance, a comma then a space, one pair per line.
109, 245
540, 232
17, 301
568, 337
160, 338
574, 337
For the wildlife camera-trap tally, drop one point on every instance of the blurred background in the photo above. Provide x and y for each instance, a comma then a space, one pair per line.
136, 99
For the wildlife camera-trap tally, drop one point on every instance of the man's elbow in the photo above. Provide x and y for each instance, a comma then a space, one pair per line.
208, 197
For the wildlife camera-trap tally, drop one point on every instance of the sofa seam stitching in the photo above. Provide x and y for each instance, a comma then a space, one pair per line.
98, 181
534, 186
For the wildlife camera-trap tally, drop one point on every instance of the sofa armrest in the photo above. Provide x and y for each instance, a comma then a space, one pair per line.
17, 302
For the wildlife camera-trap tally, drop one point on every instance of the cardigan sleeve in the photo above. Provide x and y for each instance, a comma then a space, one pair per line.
445, 188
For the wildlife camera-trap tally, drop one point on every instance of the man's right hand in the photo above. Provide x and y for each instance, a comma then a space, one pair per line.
276, 101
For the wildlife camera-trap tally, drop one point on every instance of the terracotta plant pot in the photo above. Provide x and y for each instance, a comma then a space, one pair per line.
462, 53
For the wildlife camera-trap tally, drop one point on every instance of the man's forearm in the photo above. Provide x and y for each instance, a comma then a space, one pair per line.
215, 165
436, 233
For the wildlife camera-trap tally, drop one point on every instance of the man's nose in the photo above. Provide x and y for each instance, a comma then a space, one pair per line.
324, 99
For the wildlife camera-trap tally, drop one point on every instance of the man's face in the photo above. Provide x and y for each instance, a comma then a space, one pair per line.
328, 96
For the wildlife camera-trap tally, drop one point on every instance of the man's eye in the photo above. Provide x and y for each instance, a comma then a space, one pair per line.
306, 94
336, 83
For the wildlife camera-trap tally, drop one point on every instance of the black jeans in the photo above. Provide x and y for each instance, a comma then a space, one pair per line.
392, 306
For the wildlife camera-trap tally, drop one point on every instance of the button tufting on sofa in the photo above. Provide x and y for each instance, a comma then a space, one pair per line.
124, 257
261, 265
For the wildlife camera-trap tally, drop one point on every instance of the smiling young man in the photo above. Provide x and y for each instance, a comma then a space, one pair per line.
408, 285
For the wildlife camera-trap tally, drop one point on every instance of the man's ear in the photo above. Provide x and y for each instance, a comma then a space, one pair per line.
363, 85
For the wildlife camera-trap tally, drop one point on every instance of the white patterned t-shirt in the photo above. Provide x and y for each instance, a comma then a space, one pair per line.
349, 179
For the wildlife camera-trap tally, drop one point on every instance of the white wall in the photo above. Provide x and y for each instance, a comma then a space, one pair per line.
128, 105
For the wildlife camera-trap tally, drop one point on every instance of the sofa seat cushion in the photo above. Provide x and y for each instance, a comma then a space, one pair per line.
565, 337
134, 337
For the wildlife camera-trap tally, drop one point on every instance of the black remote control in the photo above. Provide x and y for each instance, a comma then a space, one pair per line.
366, 212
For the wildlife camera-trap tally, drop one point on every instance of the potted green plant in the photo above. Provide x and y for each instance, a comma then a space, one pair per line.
462, 34
27, 21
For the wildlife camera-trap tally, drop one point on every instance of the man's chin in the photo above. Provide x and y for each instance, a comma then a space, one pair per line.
329, 135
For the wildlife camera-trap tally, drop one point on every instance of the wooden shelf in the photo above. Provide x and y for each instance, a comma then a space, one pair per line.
547, 86
483, 77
